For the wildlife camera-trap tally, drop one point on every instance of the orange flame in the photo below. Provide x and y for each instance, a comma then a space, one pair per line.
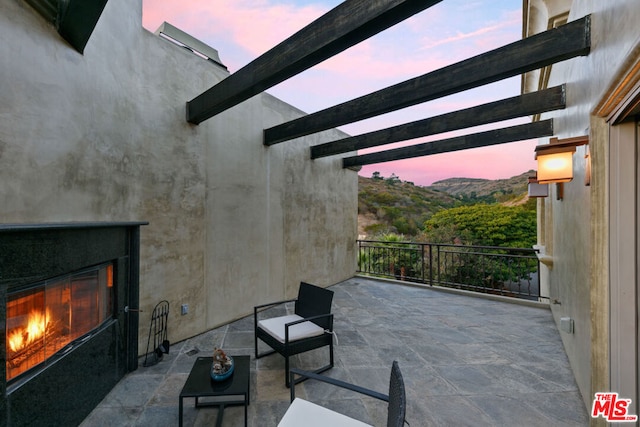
36, 326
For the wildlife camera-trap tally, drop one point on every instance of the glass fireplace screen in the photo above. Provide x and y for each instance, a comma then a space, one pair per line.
44, 319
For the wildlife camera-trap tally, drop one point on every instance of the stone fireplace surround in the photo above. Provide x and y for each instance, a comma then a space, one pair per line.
65, 392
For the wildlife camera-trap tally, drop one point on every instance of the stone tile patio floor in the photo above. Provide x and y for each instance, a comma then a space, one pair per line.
466, 361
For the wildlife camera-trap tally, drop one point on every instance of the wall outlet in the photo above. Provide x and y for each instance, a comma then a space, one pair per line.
566, 325
184, 309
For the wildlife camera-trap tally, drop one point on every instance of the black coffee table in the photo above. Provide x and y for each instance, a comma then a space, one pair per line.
230, 392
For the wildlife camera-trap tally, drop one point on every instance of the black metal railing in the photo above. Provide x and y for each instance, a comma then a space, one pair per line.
489, 269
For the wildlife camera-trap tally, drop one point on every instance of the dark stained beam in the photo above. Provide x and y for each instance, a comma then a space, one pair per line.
75, 20
510, 108
466, 142
540, 50
342, 27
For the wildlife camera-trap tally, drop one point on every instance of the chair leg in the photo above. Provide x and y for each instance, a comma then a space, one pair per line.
330, 365
331, 353
255, 344
255, 332
324, 368
317, 371
287, 382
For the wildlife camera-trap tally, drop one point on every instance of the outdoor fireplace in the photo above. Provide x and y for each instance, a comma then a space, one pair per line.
69, 337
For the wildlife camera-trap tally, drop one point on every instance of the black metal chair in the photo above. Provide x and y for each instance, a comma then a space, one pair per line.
311, 326
302, 412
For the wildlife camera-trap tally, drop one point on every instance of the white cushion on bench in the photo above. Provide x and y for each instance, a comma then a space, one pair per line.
307, 414
275, 328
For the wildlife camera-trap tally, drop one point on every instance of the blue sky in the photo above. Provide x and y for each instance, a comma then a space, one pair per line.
449, 32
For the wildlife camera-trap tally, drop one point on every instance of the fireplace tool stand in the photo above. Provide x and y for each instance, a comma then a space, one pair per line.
158, 329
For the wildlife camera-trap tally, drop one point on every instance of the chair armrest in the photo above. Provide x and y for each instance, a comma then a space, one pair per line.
338, 383
265, 306
307, 319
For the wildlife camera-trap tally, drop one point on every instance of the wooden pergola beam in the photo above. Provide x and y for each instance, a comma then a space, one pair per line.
346, 25
505, 109
555, 45
482, 139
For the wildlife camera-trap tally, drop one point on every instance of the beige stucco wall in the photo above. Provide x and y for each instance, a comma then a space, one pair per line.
576, 228
103, 137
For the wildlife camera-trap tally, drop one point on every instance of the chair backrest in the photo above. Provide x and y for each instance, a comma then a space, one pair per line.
397, 398
313, 301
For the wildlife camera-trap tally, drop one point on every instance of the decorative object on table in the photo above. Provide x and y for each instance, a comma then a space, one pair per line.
221, 365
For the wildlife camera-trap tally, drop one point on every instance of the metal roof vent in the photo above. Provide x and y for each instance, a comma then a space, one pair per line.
180, 38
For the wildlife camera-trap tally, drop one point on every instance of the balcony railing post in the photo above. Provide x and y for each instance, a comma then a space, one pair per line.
538, 277
438, 278
431, 264
422, 260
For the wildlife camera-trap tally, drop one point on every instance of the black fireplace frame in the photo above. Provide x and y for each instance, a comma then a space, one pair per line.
65, 392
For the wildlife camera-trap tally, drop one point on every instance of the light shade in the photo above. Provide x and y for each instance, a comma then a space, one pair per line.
555, 160
555, 167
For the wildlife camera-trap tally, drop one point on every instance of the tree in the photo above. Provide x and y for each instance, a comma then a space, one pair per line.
393, 257
376, 175
486, 225
393, 179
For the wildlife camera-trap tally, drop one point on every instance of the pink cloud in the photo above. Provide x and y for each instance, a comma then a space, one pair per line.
253, 26
258, 29
487, 163
430, 43
256, 26
241, 30
394, 56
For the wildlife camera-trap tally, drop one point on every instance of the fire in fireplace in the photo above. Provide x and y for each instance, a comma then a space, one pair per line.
45, 319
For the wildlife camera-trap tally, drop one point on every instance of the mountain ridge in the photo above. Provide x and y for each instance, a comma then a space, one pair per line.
392, 205
455, 186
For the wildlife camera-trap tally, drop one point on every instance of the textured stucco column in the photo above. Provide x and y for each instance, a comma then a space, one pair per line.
599, 260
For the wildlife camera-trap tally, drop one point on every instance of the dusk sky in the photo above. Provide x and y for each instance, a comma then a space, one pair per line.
449, 32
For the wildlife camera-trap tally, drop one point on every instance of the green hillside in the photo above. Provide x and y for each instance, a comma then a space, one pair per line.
390, 205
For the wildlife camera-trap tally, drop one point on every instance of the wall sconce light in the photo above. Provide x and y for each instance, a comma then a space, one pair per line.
555, 160
536, 189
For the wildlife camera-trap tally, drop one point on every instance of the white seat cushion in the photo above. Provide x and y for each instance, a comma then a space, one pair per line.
302, 413
275, 328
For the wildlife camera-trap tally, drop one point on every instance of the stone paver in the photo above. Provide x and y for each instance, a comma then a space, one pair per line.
466, 361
